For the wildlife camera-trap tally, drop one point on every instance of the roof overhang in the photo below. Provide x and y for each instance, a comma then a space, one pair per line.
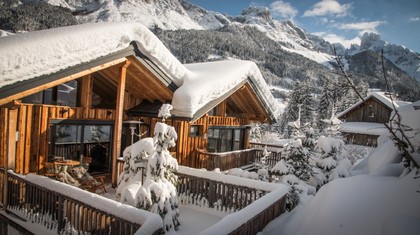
27, 87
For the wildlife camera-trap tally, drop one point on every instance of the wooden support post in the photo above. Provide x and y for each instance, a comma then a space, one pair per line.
10, 150
86, 84
118, 122
11, 140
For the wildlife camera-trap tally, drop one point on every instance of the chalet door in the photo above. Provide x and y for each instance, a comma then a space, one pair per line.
73, 139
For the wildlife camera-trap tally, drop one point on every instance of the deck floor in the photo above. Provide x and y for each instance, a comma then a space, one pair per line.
193, 219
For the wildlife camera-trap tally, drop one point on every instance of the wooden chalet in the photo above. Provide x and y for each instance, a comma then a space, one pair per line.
364, 121
98, 106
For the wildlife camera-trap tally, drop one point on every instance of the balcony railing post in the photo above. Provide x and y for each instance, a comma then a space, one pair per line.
4, 189
212, 193
60, 211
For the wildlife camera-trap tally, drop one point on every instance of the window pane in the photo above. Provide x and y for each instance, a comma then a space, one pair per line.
34, 98
237, 134
96, 133
67, 134
226, 140
67, 94
216, 133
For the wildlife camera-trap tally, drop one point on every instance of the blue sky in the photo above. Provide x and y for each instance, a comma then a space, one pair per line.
397, 21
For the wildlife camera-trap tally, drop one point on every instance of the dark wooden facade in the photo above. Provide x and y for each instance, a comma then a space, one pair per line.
370, 110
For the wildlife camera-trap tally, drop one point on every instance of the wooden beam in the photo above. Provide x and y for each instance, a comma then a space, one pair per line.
86, 84
118, 121
60, 81
11, 140
13, 104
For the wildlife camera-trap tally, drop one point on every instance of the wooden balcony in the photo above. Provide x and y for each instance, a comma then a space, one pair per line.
39, 200
59, 207
227, 160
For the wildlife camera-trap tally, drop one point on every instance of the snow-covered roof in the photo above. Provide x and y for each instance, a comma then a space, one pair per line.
381, 96
211, 80
369, 128
35, 54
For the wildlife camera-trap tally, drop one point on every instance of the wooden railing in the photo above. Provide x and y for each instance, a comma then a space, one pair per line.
253, 218
55, 211
235, 159
223, 161
275, 153
239, 196
30, 199
214, 193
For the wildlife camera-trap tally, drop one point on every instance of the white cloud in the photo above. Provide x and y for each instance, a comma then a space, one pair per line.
329, 7
414, 19
334, 38
362, 27
283, 9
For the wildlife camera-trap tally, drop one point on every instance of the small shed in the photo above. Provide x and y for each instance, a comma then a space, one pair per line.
363, 122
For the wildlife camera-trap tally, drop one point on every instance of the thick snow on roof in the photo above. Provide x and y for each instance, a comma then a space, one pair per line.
208, 81
369, 128
30, 55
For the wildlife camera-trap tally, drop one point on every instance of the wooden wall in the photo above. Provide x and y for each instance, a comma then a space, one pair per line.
33, 123
32, 131
186, 144
363, 112
361, 139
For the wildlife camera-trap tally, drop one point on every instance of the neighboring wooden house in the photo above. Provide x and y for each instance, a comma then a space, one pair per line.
363, 122
77, 91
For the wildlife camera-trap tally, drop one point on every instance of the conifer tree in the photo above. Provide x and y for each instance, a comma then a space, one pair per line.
301, 96
159, 194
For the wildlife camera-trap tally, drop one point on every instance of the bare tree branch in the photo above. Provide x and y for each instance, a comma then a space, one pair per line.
404, 142
345, 75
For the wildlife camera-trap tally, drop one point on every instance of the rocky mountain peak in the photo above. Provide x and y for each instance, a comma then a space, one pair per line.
369, 39
260, 12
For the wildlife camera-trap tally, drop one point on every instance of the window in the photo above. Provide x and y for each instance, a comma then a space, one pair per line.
64, 94
72, 139
224, 139
196, 130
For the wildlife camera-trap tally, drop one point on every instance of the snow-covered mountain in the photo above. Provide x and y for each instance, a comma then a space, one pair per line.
402, 57
180, 14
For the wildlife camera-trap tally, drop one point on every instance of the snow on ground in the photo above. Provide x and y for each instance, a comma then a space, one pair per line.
193, 219
380, 198
363, 204
363, 128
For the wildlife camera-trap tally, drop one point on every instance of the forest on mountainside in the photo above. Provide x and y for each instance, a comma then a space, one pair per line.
280, 67
34, 16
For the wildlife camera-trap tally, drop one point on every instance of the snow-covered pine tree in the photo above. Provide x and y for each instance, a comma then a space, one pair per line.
158, 194
134, 168
262, 166
331, 157
297, 157
301, 96
326, 100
